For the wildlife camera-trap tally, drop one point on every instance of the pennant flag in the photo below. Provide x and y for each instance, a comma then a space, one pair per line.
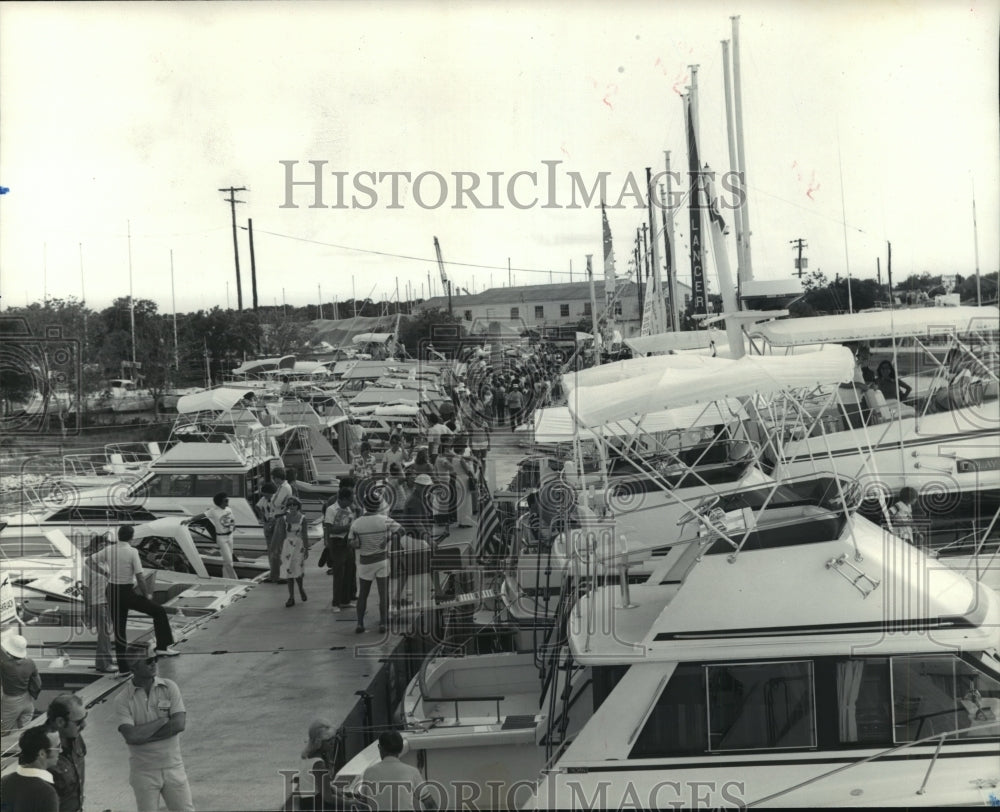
699, 297
610, 280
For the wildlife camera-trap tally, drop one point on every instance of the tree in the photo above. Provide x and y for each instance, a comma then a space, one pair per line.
417, 330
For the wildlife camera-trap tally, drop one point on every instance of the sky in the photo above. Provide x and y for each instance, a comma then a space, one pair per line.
864, 122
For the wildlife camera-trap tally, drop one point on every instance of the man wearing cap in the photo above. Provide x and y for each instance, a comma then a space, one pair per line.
97, 615
29, 788
127, 590
151, 716
20, 684
66, 717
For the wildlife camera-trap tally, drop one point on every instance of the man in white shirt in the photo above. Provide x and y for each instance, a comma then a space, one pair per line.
434, 435
127, 590
151, 716
391, 784
282, 493
224, 524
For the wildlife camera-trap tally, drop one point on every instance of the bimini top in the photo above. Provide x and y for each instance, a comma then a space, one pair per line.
214, 400
264, 364
633, 368
701, 380
371, 338
925, 321
686, 340
556, 424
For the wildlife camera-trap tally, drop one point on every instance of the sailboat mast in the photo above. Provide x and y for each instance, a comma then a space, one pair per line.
731, 138
975, 238
668, 242
656, 290
173, 306
746, 266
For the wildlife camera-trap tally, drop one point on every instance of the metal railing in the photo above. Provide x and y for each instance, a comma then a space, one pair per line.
938, 737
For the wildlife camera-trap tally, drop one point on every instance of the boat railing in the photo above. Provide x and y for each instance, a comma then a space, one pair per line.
937, 737
451, 650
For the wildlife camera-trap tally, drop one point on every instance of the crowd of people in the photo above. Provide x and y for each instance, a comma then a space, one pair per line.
386, 519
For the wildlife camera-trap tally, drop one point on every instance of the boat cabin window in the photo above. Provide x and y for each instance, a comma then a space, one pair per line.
677, 724
939, 694
761, 706
605, 678
864, 701
187, 485
103, 514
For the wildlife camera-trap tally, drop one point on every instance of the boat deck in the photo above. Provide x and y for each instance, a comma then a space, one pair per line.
252, 678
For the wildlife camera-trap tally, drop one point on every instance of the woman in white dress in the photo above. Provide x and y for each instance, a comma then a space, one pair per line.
295, 547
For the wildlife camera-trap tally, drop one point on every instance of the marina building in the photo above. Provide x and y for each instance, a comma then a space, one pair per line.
557, 305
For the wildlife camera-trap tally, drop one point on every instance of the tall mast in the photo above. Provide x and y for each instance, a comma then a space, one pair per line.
843, 217
131, 298
173, 305
734, 166
975, 235
668, 243
654, 280
746, 269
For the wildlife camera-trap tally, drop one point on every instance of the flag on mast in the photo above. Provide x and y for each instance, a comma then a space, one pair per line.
610, 279
699, 294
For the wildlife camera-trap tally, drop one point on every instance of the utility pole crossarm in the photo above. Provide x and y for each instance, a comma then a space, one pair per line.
232, 201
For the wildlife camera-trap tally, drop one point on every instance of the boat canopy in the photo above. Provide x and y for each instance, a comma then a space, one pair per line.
704, 380
556, 424
882, 324
667, 342
371, 338
214, 400
264, 364
172, 527
634, 367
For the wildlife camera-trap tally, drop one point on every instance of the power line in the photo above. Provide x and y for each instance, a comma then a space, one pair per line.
405, 256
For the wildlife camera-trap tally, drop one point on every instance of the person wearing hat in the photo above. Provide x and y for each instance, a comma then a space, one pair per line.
318, 783
97, 615
294, 532
20, 684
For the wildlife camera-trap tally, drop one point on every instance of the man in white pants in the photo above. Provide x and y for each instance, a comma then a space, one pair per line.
151, 717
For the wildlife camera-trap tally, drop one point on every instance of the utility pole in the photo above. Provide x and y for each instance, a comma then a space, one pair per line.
253, 266
509, 283
319, 293
799, 243
236, 248
878, 270
173, 305
888, 272
131, 298
83, 302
